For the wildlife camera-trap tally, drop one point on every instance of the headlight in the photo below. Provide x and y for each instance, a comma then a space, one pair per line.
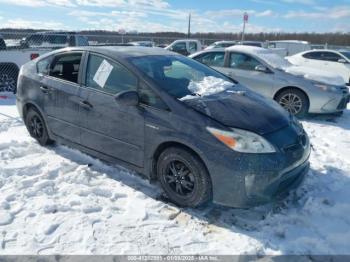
242, 141
325, 87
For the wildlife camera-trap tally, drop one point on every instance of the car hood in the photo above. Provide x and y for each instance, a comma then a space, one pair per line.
314, 74
242, 109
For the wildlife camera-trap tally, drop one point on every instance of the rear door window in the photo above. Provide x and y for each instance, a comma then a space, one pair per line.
193, 46
313, 55
109, 76
243, 62
66, 66
178, 47
56, 39
82, 41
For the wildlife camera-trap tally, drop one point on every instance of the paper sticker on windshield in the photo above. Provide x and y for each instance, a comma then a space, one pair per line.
103, 73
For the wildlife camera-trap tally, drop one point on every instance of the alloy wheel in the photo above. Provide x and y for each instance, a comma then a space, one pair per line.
180, 178
36, 127
292, 103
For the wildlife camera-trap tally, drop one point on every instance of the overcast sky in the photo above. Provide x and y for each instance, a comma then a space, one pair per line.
159, 15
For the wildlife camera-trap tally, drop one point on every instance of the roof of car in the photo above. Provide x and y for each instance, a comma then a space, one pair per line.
246, 49
321, 50
226, 41
290, 41
123, 51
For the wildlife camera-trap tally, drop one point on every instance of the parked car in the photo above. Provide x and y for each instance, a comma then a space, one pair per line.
292, 47
54, 39
169, 118
185, 46
221, 44
299, 90
328, 60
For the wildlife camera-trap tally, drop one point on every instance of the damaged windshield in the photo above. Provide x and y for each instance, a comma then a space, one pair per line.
182, 77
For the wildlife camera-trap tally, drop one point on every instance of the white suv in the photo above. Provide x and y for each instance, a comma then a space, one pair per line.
327, 60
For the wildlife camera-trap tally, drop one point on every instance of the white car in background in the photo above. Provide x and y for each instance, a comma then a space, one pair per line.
337, 62
185, 46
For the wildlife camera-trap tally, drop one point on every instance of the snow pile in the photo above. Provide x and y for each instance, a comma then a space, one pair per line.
207, 86
56, 200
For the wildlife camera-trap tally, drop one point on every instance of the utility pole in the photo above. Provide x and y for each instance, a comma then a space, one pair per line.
245, 20
189, 26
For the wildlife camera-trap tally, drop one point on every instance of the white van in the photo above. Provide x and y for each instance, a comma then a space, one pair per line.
185, 46
292, 47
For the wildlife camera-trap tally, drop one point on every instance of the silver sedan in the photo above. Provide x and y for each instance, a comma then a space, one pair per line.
297, 89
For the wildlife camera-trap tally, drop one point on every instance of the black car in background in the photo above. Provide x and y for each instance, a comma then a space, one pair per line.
201, 134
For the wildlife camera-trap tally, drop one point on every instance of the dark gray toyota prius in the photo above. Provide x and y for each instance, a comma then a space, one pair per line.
199, 133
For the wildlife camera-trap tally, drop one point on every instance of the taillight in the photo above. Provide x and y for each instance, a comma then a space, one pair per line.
33, 56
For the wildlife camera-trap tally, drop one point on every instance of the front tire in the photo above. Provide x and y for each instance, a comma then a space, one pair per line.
294, 101
184, 177
37, 128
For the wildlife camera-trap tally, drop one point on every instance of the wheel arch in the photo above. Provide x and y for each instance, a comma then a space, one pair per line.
29, 105
168, 144
292, 87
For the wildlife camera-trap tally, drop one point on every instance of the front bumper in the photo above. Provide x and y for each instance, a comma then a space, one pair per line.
248, 180
272, 188
332, 103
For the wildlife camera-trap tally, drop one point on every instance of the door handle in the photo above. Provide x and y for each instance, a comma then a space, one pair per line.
85, 104
45, 89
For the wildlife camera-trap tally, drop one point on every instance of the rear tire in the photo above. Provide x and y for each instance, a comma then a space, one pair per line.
294, 101
184, 177
36, 127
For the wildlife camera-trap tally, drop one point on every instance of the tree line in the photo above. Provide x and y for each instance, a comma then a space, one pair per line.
335, 38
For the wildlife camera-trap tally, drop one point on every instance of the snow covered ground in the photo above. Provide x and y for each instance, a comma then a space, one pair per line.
58, 200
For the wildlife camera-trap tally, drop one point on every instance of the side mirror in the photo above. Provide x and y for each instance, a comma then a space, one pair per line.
261, 68
127, 98
342, 60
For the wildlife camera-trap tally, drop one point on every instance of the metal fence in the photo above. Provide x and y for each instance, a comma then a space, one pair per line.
17, 48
